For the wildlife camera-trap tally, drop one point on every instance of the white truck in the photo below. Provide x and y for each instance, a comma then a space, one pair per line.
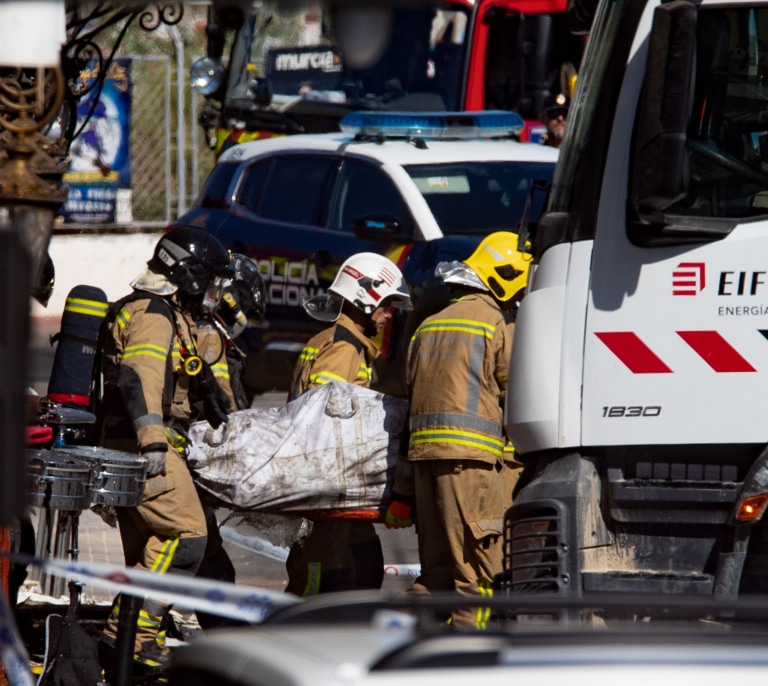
638, 397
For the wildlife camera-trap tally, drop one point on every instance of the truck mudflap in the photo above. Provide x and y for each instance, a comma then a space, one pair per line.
622, 523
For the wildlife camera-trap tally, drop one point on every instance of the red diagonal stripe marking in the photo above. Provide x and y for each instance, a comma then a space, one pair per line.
716, 351
635, 354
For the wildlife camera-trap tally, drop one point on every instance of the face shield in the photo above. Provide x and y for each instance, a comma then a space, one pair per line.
459, 273
325, 307
211, 296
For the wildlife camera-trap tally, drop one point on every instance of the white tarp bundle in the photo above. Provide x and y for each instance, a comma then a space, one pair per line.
334, 447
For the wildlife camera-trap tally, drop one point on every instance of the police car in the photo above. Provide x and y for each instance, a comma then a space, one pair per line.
418, 188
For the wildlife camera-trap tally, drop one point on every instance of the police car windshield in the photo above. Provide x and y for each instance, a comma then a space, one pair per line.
481, 197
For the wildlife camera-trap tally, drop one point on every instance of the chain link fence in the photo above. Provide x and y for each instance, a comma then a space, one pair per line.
169, 155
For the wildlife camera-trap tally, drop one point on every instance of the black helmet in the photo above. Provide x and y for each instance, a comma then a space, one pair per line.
43, 289
249, 288
190, 257
244, 300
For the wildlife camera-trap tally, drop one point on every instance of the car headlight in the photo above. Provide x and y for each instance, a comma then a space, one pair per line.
206, 75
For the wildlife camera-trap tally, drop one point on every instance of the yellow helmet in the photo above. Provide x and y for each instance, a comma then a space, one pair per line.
500, 265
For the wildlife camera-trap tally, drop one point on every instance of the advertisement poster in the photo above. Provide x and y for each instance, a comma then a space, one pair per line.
99, 177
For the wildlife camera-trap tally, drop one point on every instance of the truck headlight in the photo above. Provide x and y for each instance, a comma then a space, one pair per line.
206, 75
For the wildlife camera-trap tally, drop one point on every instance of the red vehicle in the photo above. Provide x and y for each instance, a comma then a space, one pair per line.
286, 74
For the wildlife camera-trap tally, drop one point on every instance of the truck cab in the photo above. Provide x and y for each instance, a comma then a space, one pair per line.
637, 398
285, 68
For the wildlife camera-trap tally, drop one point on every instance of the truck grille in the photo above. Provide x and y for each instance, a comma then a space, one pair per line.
534, 550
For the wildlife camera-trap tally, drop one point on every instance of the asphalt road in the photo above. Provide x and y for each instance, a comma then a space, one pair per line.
399, 546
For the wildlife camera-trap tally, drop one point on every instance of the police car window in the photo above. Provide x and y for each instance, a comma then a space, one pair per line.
475, 197
728, 132
251, 188
216, 186
364, 189
297, 189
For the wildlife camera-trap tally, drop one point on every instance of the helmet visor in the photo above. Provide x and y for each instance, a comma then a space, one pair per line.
325, 307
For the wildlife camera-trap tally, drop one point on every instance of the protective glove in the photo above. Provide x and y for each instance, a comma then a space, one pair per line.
155, 463
398, 515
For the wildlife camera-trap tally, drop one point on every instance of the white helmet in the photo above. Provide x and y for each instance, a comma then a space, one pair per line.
366, 280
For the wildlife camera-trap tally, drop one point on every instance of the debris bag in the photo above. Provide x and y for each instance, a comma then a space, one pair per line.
333, 448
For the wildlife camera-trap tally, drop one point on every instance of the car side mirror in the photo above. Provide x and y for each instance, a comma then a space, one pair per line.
376, 226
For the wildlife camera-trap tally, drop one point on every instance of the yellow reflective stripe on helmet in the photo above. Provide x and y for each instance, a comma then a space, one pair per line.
92, 308
220, 370
145, 350
456, 437
325, 377
309, 354
164, 559
463, 325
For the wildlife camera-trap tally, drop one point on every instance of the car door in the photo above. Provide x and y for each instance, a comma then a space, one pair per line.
278, 219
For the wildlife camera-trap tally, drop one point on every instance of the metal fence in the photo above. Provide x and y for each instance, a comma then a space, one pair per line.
169, 156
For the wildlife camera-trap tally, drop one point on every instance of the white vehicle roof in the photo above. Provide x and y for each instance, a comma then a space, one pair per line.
397, 150
332, 655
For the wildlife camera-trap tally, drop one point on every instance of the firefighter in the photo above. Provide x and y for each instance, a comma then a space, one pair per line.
457, 369
344, 554
554, 114
153, 376
242, 305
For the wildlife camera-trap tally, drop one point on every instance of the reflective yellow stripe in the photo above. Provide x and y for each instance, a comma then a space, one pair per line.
463, 325
164, 559
314, 571
309, 354
146, 350
123, 318
325, 377
147, 620
92, 308
456, 437
484, 613
364, 372
221, 370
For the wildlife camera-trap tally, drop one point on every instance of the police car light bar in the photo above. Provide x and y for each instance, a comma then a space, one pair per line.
433, 124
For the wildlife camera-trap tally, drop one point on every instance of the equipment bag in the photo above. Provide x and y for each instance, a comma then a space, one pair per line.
72, 374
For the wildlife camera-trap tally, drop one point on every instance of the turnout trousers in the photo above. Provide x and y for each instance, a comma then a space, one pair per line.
165, 534
459, 510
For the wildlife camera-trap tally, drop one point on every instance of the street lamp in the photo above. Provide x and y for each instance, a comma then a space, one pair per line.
28, 200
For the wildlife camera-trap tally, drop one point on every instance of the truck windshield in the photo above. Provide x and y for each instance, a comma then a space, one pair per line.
727, 137
294, 49
479, 198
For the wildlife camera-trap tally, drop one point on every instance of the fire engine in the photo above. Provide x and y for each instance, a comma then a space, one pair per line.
638, 399
287, 74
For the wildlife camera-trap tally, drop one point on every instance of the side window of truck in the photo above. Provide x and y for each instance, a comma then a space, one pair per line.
727, 135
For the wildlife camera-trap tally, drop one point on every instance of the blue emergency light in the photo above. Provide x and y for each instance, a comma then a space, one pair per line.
487, 124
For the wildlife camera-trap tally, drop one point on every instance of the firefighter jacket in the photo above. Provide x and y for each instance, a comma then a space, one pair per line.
152, 338
338, 353
458, 364
212, 347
